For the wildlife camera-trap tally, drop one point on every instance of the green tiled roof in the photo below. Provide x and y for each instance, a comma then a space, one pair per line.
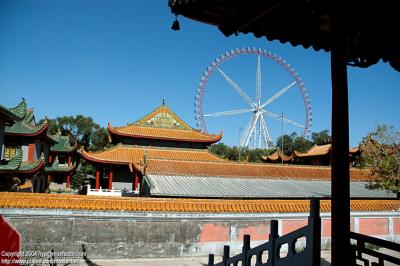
63, 143
28, 166
30, 117
24, 128
27, 125
14, 163
56, 167
20, 109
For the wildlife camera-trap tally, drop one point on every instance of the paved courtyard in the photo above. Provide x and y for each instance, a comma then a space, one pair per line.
187, 261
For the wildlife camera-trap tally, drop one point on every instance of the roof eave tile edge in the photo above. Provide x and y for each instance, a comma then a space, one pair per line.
112, 130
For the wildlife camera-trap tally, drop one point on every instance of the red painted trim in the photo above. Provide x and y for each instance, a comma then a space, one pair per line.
31, 151
69, 160
113, 131
97, 179
110, 178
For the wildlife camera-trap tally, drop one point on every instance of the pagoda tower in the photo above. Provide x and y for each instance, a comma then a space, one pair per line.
25, 151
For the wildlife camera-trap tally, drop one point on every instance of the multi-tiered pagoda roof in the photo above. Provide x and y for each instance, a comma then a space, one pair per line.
24, 128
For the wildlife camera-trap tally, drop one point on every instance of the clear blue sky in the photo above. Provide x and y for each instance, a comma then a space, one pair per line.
117, 60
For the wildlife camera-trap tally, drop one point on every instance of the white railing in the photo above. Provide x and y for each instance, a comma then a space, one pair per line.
106, 192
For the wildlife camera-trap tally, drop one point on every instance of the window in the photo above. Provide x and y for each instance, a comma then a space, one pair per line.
10, 151
62, 159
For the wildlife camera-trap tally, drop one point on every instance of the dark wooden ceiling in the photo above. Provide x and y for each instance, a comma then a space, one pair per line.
370, 28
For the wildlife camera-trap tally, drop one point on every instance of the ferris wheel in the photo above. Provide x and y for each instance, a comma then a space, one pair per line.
256, 134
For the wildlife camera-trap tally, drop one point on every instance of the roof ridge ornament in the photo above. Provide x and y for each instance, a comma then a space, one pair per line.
175, 25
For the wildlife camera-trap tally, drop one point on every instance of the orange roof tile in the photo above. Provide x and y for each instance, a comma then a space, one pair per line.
121, 154
317, 150
98, 203
277, 155
163, 124
164, 133
231, 169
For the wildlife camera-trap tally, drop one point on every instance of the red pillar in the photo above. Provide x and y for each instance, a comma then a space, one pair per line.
97, 178
31, 152
110, 178
135, 186
68, 181
68, 176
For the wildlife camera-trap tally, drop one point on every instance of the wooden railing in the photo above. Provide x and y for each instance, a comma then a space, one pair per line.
297, 253
363, 245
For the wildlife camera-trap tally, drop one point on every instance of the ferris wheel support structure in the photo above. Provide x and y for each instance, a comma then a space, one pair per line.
257, 129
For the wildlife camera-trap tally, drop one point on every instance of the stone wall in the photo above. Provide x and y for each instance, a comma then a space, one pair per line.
129, 235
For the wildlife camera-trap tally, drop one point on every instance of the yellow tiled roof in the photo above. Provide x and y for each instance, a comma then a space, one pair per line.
164, 133
315, 151
163, 124
135, 154
277, 155
98, 203
231, 169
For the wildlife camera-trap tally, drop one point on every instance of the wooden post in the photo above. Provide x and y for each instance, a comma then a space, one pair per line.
314, 234
225, 256
210, 259
97, 178
245, 249
273, 235
110, 178
340, 252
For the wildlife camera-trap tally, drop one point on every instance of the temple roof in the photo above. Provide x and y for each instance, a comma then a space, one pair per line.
181, 205
59, 168
245, 170
127, 154
31, 166
321, 150
63, 144
16, 165
21, 109
226, 187
316, 150
277, 156
26, 126
163, 124
7, 115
